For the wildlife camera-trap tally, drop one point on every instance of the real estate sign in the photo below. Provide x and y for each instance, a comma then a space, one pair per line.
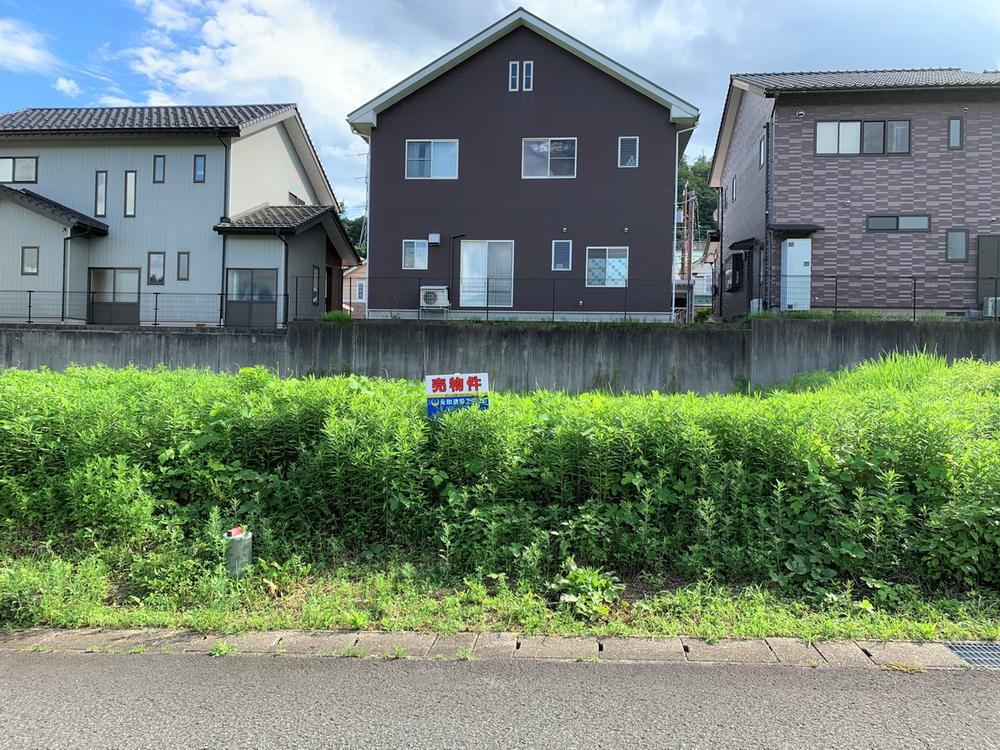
456, 392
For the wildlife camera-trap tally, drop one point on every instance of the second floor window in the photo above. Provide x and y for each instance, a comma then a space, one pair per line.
513, 75
899, 223
852, 137
432, 160
628, 151
101, 193
414, 255
130, 193
159, 168
955, 133
762, 152
199, 167
18, 169
529, 76
548, 157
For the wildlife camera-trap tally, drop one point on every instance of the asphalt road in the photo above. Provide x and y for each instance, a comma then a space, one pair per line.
183, 701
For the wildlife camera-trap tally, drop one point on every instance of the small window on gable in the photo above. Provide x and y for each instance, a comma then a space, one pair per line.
955, 134
732, 191
294, 200
29, 261
159, 168
628, 151
513, 75
199, 167
414, 255
762, 151
562, 255
529, 76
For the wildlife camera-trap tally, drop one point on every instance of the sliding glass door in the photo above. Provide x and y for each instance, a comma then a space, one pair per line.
113, 297
252, 297
487, 270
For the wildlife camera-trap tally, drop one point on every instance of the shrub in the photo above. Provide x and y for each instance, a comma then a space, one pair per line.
588, 593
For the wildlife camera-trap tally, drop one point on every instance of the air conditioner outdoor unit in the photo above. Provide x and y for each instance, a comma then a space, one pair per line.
991, 307
434, 297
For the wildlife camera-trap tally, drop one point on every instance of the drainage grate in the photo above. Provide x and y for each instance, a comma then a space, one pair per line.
978, 654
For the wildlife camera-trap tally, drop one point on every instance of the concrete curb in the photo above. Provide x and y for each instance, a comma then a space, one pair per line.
901, 655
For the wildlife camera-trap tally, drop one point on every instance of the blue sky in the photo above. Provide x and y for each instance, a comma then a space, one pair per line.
329, 56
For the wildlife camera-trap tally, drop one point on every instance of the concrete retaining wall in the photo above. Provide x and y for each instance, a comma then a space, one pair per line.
519, 357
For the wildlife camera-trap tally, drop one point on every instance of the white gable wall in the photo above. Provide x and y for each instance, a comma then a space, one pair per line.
264, 170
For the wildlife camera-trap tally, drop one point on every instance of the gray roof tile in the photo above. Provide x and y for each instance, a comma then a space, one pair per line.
275, 219
56, 211
229, 118
871, 79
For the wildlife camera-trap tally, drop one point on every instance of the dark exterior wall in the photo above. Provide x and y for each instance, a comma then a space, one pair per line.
959, 189
744, 218
490, 200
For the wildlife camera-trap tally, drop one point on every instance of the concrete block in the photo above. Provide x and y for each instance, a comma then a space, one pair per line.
732, 650
22, 639
101, 639
927, 654
642, 649
416, 645
247, 643
795, 651
315, 643
448, 646
554, 647
844, 654
494, 646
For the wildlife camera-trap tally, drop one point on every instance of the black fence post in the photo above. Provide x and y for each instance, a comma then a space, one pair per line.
29, 305
420, 298
913, 279
625, 304
156, 309
836, 294
487, 296
553, 300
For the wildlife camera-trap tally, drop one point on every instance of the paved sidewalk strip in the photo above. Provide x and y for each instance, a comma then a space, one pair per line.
485, 646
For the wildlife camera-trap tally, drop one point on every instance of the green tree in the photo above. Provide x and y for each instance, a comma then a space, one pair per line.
695, 175
355, 229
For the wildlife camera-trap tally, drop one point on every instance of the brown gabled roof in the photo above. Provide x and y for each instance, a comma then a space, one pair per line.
55, 211
899, 78
225, 120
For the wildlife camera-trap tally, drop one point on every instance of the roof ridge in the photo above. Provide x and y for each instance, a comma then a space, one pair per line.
150, 106
860, 70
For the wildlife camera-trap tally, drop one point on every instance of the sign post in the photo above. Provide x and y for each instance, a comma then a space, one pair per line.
457, 392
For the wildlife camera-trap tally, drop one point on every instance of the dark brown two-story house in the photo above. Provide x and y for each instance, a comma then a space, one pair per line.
859, 190
522, 175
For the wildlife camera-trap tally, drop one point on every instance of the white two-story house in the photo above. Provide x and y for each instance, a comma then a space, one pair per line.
214, 215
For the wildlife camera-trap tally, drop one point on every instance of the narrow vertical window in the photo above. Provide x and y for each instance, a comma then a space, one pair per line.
315, 285
130, 193
156, 267
159, 168
29, 261
199, 167
955, 133
957, 245
513, 75
529, 76
897, 137
732, 191
562, 255
183, 266
628, 151
101, 193
762, 151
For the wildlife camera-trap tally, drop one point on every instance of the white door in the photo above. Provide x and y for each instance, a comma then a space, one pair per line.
487, 274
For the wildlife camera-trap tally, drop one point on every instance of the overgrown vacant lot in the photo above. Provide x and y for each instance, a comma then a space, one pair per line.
865, 503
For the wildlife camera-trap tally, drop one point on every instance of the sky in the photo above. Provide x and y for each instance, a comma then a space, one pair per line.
330, 56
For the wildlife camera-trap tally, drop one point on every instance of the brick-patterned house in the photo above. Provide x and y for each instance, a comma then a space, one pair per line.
879, 187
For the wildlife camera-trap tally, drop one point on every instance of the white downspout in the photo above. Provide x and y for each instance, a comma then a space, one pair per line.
673, 219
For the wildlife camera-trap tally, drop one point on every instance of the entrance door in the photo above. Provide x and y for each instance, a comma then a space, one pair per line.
989, 267
113, 297
487, 274
252, 297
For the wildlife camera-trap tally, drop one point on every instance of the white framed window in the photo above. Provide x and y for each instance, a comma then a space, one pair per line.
487, 269
628, 151
607, 266
101, 192
359, 290
528, 82
548, 158
414, 255
732, 191
18, 169
29, 260
762, 152
432, 159
129, 193
513, 75
562, 255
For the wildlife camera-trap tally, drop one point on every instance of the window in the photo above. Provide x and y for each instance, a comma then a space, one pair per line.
487, 270
156, 268
129, 193
101, 193
873, 137
607, 266
734, 272
897, 139
183, 266
432, 160
29, 261
732, 190
955, 133
548, 157
414, 255
562, 255
513, 75
957, 245
899, 223
762, 151
294, 200
315, 285
199, 167
159, 168
529, 76
251, 285
359, 290
19, 169
838, 137
628, 151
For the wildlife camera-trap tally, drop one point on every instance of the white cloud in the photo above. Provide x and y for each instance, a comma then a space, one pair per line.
67, 86
23, 49
170, 15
